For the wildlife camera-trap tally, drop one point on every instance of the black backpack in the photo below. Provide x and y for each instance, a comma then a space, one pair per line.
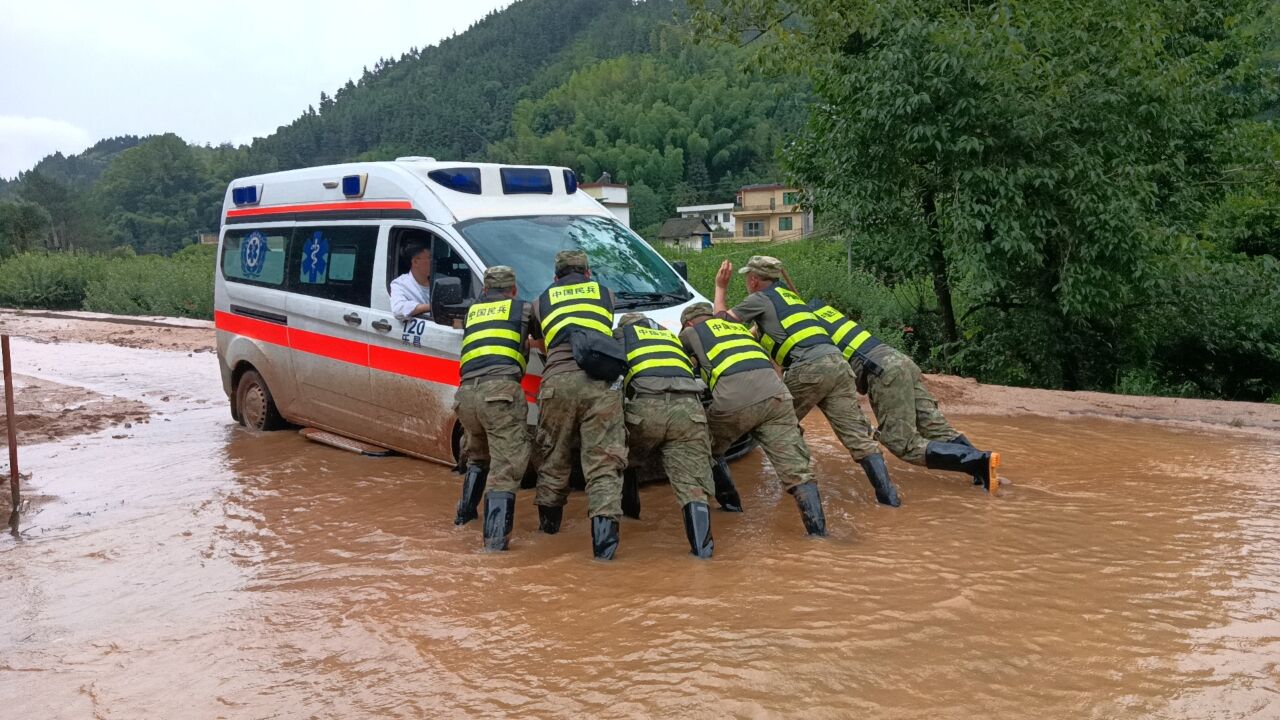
600, 356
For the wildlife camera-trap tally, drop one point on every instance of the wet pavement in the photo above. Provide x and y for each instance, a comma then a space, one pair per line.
194, 569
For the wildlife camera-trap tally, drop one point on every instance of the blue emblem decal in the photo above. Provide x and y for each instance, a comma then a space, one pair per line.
253, 254
315, 257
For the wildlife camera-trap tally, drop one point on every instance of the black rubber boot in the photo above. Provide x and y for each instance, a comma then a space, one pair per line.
962, 440
472, 491
549, 519
499, 514
631, 493
726, 492
604, 537
697, 527
878, 473
810, 504
963, 458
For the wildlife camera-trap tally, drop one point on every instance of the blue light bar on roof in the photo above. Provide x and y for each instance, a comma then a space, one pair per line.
461, 179
570, 182
245, 195
353, 185
526, 181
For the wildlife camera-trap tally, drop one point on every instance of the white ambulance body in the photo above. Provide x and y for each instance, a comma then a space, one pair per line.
302, 306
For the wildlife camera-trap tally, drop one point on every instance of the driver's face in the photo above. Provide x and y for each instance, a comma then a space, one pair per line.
421, 263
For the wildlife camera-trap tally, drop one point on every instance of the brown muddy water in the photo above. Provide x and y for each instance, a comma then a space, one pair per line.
191, 569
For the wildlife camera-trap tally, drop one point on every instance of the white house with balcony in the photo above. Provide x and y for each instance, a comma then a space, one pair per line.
719, 217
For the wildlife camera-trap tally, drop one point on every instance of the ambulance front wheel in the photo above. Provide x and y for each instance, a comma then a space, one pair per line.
257, 408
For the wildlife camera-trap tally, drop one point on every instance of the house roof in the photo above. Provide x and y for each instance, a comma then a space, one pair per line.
766, 186
684, 227
705, 208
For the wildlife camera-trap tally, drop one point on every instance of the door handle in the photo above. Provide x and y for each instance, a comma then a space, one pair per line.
352, 319
382, 325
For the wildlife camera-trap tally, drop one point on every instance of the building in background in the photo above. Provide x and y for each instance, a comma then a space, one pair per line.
611, 195
769, 212
719, 217
686, 233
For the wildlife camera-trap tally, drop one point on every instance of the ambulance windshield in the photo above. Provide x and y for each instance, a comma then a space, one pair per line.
619, 260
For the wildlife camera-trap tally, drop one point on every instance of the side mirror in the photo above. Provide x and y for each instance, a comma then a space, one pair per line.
682, 268
446, 299
445, 290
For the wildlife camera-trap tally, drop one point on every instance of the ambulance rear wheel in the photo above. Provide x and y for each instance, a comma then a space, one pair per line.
257, 408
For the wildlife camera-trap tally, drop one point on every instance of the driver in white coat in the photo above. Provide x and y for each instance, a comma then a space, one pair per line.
411, 292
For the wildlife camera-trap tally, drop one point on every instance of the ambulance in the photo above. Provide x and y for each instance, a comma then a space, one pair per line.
306, 335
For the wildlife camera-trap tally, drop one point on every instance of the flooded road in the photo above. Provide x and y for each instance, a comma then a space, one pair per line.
187, 568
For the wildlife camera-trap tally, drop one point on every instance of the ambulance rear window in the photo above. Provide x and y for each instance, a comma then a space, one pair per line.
255, 257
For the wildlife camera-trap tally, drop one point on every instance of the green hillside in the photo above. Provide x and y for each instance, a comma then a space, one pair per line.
598, 85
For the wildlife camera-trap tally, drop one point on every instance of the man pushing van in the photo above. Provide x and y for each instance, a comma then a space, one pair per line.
491, 405
580, 402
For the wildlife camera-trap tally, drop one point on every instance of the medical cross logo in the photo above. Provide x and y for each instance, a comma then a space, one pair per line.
253, 253
315, 257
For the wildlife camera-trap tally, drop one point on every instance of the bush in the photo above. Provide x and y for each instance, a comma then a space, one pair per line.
54, 281
178, 286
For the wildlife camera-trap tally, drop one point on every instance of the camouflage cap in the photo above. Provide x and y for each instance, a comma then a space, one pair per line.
631, 318
764, 266
570, 258
499, 277
696, 310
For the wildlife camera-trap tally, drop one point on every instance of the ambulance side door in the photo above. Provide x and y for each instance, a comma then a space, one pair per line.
330, 277
415, 361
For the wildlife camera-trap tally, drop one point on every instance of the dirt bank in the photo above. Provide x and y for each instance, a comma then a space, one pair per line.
957, 395
48, 410
145, 333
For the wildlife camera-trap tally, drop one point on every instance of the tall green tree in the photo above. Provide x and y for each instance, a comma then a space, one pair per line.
23, 226
1041, 156
155, 193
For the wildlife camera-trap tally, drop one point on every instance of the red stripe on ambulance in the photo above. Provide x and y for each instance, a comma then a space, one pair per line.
322, 207
400, 362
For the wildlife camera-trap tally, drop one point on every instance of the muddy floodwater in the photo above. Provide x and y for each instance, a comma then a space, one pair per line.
186, 568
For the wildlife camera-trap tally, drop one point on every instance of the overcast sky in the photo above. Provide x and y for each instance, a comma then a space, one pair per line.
213, 72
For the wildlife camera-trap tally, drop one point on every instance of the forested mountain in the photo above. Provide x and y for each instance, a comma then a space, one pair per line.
599, 85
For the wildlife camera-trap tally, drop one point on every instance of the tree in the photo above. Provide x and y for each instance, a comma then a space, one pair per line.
155, 193
1040, 156
23, 226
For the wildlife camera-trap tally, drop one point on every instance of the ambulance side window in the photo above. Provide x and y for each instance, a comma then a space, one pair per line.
333, 262
445, 260
255, 257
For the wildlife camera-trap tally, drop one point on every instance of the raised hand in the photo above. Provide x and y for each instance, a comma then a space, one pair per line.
724, 274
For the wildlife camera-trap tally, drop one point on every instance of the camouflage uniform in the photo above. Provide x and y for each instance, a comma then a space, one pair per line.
575, 411
815, 372
908, 415
491, 406
754, 402
828, 383
664, 414
495, 415
772, 424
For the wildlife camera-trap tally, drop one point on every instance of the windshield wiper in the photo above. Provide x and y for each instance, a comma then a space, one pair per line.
648, 299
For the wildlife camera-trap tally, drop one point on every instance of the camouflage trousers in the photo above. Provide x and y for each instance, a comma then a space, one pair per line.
908, 415
674, 425
772, 424
576, 411
494, 416
828, 383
